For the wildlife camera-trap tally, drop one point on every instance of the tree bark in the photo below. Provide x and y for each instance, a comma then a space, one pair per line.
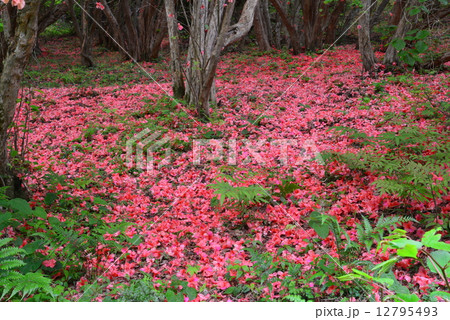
52, 13
312, 24
397, 12
131, 36
211, 31
330, 29
152, 27
293, 34
377, 15
391, 56
265, 17
365, 46
86, 44
437, 62
76, 24
3, 50
19, 51
260, 31
243, 26
175, 58
115, 27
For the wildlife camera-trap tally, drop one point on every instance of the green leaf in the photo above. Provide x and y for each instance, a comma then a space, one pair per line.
385, 266
421, 46
9, 252
33, 246
191, 293
40, 213
409, 59
54, 222
11, 264
349, 277
422, 34
406, 297
21, 206
136, 240
4, 218
431, 239
414, 11
5, 241
50, 197
361, 273
409, 251
387, 281
170, 296
442, 294
322, 229
319, 223
442, 258
100, 201
191, 270
401, 243
230, 290
398, 44
179, 297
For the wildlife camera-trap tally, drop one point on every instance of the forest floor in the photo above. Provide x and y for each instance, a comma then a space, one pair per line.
276, 112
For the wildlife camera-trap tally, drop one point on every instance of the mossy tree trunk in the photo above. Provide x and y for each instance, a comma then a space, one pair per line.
365, 46
210, 31
20, 35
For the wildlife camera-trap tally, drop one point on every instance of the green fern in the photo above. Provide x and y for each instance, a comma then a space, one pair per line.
368, 234
253, 194
294, 298
13, 282
406, 161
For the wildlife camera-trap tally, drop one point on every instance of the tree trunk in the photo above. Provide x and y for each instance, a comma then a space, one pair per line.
115, 27
201, 44
52, 14
377, 15
391, 56
436, 62
20, 48
3, 50
152, 28
86, 44
260, 30
175, 58
243, 26
265, 18
330, 29
293, 34
365, 46
210, 32
397, 12
76, 24
312, 24
131, 36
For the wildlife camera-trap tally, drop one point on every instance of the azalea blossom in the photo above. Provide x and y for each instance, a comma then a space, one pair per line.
49, 263
100, 6
20, 4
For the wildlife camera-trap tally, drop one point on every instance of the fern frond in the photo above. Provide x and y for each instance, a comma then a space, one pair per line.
294, 298
9, 252
26, 284
5, 241
11, 264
